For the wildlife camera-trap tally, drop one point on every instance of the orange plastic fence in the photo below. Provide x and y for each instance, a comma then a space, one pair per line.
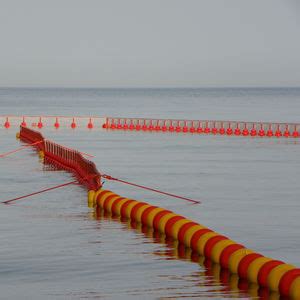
65, 158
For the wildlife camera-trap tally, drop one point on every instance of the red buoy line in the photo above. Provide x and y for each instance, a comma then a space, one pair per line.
56, 122
213, 127
39, 192
264, 272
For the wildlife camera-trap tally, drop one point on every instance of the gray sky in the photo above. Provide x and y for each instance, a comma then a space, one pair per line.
149, 43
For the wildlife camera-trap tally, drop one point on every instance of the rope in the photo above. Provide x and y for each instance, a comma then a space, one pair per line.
39, 192
108, 177
19, 149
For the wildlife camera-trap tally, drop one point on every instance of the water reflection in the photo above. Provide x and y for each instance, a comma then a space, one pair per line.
217, 282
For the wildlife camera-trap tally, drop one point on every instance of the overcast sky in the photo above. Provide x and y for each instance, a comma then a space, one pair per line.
95, 43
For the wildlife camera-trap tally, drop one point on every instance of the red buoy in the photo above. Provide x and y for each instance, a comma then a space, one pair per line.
222, 130
214, 130
56, 124
23, 122
119, 125
245, 130
261, 132
7, 124
131, 126
295, 134
237, 130
229, 131
171, 127
90, 124
40, 123
138, 126
150, 127
125, 126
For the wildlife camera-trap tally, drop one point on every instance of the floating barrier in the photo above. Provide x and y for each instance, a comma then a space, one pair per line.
222, 278
64, 158
265, 272
229, 128
56, 122
214, 127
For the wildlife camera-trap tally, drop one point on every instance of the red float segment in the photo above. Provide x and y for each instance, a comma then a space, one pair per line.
146, 213
227, 252
265, 270
124, 207
287, 280
183, 229
211, 243
135, 208
170, 223
196, 236
158, 217
245, 262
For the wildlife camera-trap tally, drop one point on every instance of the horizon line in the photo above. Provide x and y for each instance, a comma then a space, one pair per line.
154, 87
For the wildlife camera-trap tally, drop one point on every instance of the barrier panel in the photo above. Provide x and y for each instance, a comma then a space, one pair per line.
264, 272
65, 158
235, 128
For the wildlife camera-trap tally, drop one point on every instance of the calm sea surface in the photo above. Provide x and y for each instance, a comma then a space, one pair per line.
54, 247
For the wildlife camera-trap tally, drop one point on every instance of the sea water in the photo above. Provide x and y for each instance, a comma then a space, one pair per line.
53, 246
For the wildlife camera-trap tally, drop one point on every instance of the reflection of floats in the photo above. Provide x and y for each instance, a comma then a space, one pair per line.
216, 277
260, 272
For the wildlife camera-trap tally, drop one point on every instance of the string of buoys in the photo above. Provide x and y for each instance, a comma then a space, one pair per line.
213, 127
276, 276
230, 128
56, 122
223, 281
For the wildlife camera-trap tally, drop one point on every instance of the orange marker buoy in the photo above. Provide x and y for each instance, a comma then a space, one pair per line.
23, 122
90, 124
56, 124
222, 130
237, 130
7, 124
245, 130
73, 124
229, 130
40, 123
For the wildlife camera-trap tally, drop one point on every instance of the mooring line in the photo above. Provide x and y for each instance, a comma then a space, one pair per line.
20, 149
39, 192
108, 177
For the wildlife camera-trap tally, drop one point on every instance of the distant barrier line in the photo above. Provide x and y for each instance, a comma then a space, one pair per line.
267, 274
229, 128
214, 127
